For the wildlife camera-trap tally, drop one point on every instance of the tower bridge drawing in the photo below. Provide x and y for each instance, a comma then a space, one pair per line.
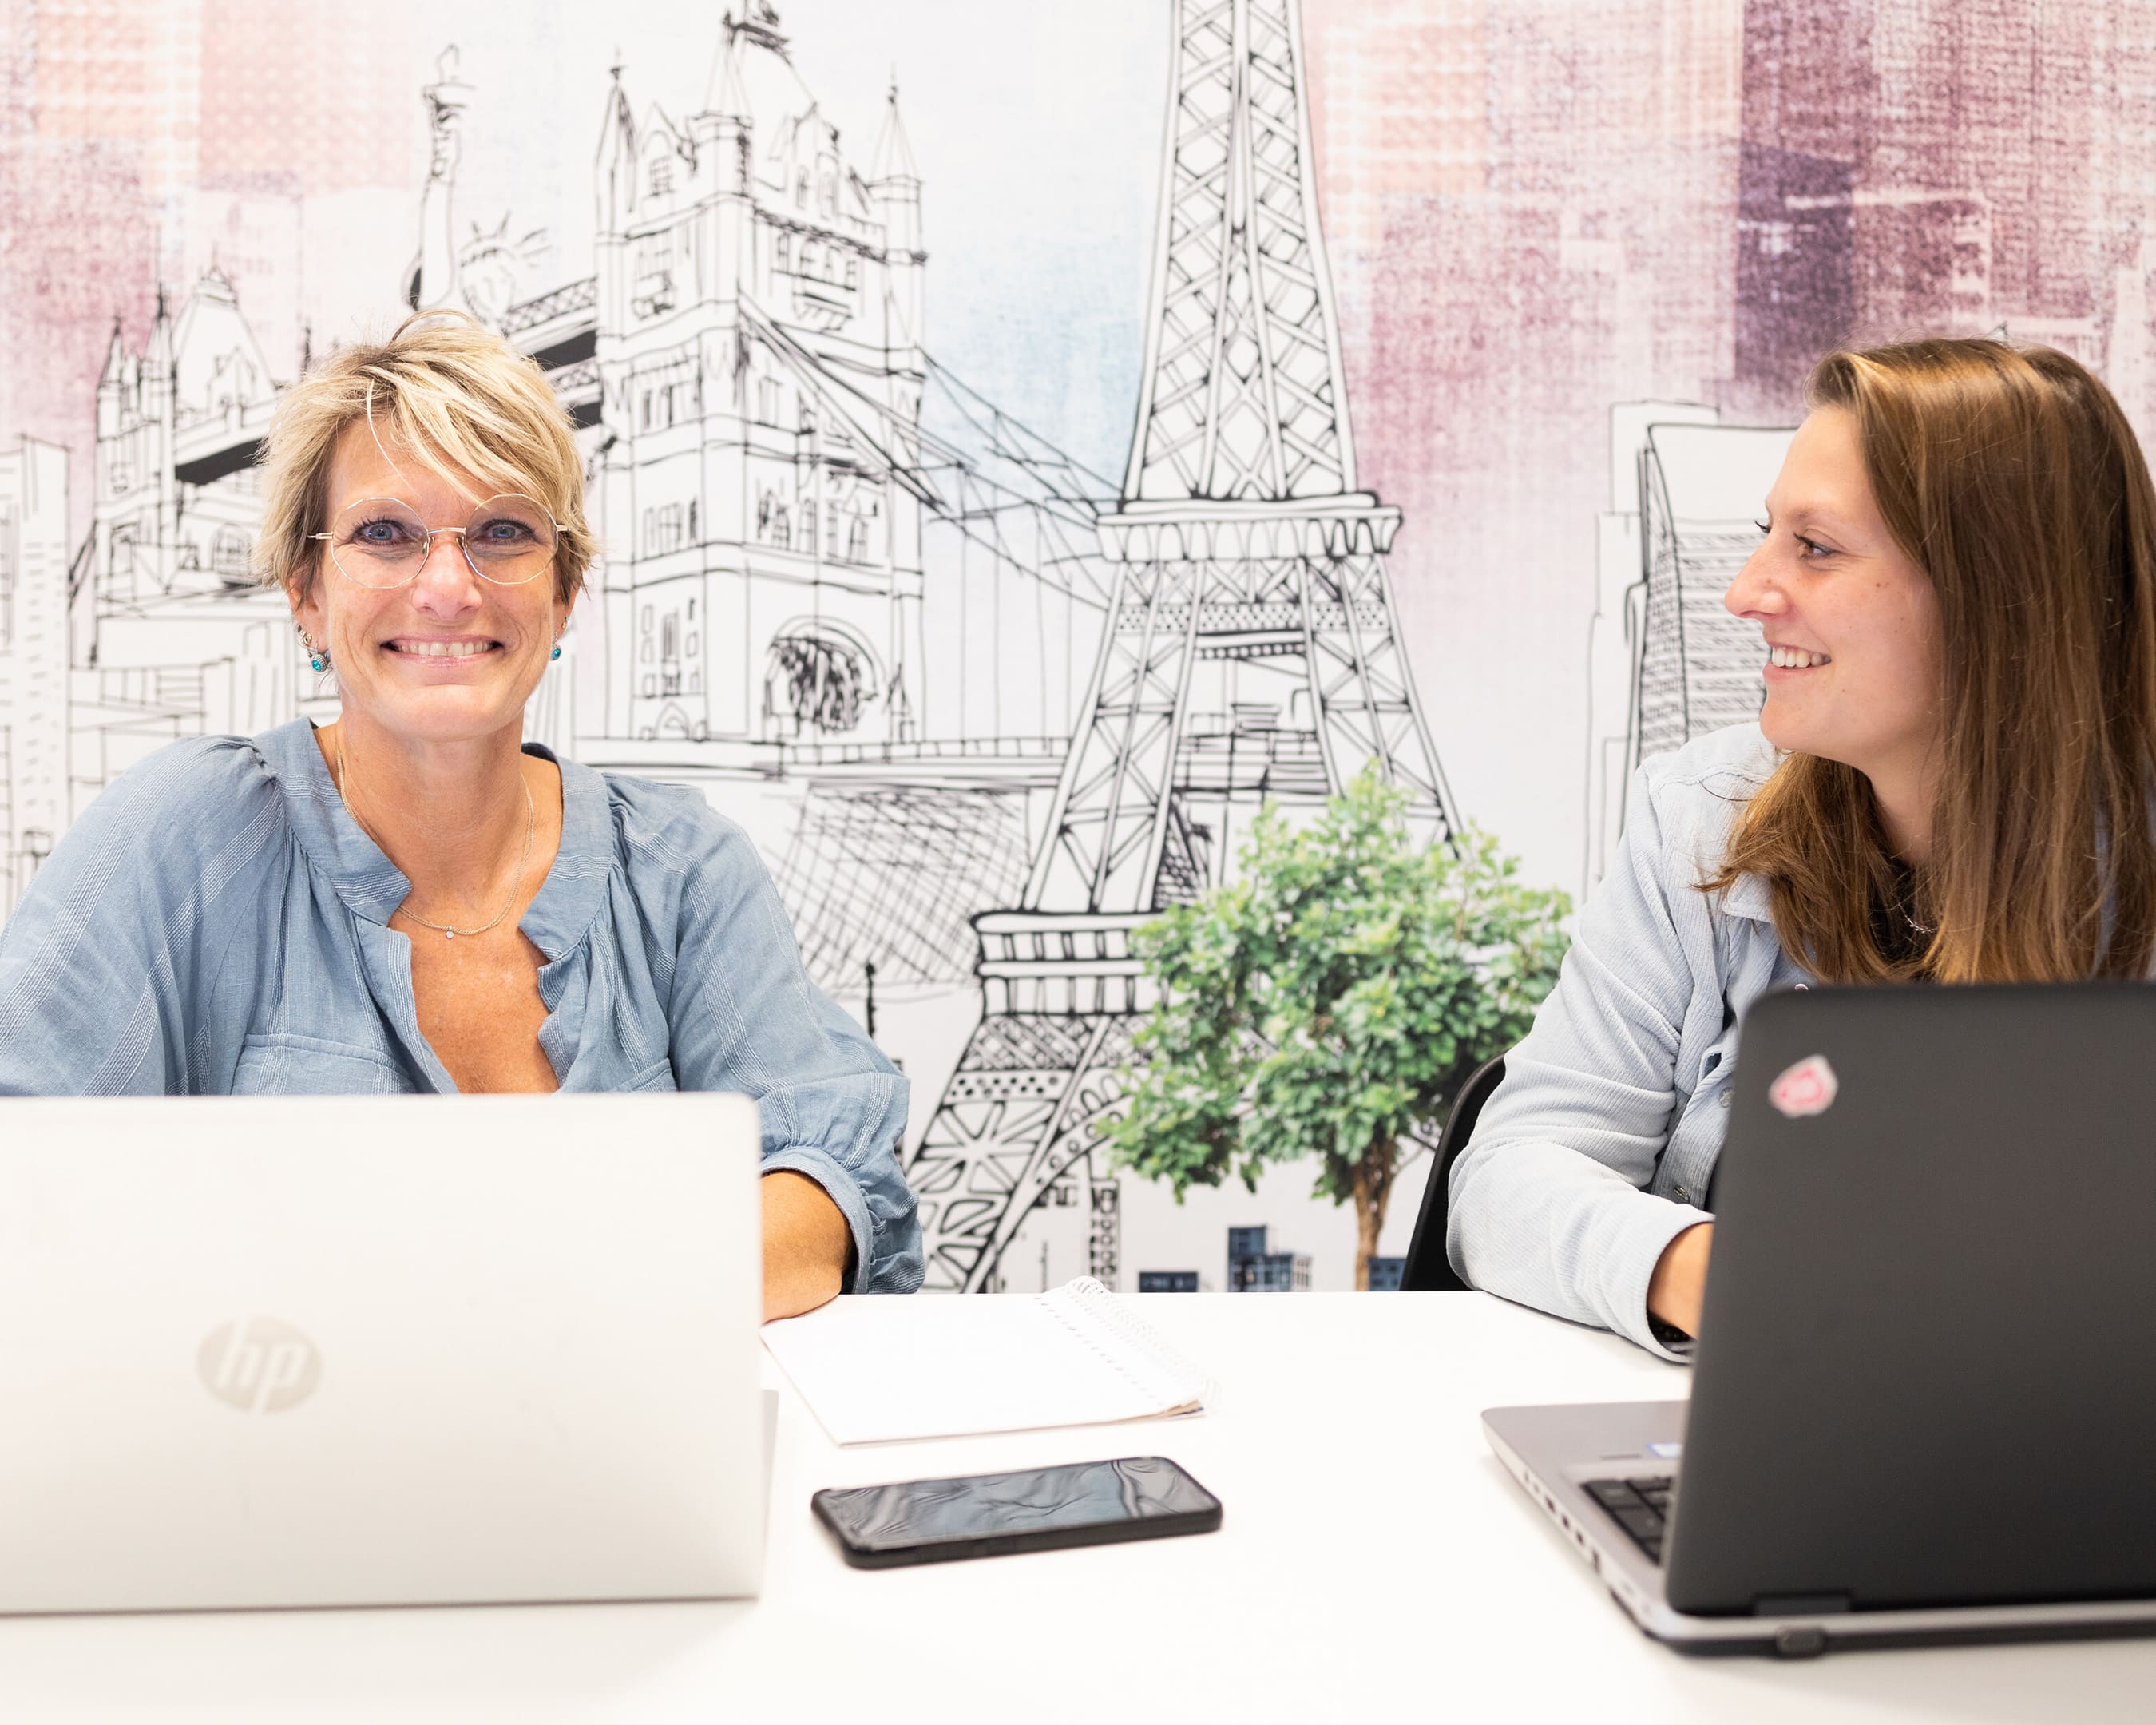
995, 710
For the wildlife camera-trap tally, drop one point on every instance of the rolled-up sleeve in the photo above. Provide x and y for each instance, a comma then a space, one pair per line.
1547, 1202
746, 1017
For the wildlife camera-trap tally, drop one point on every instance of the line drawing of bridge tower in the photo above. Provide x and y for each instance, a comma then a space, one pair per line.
1252, 648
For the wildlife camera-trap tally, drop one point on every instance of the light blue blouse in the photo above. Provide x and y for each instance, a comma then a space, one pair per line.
1598, 1149
216, 923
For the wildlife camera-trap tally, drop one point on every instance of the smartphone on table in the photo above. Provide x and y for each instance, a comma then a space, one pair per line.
1033, 1509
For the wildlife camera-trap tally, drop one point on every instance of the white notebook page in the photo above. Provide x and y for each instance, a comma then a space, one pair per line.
873, 1371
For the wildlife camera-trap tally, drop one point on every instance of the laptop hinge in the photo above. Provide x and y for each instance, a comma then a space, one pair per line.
1798, 1605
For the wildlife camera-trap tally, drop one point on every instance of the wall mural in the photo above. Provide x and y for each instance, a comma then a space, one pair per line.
1408, 394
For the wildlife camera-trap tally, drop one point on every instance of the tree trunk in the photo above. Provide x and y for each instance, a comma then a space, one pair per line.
1373, 1184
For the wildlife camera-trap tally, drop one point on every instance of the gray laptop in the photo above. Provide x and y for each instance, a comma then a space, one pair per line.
1923, 1408
378, 1350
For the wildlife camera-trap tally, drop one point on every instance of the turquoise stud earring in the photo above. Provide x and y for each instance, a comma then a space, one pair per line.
556, 653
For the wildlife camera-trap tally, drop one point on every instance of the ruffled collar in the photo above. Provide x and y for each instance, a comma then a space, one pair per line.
371, 886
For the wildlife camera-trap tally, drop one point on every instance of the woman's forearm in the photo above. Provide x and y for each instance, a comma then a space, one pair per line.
1679, 1284
806, 1244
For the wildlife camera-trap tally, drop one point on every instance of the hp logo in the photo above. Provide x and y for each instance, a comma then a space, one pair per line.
259, 1365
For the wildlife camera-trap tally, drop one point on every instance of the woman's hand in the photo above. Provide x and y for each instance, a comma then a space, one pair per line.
1679, 1282
806, 1244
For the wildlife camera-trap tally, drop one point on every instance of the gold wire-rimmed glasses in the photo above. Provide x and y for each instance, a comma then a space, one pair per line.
381, 543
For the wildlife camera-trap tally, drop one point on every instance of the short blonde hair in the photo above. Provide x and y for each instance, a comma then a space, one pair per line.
456, 395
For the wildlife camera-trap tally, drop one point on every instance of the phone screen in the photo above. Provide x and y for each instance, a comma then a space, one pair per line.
1033, 1502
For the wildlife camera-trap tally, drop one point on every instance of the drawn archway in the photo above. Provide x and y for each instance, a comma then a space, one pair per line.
820, 679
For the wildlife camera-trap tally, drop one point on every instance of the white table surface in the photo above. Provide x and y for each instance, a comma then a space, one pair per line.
1374, 1557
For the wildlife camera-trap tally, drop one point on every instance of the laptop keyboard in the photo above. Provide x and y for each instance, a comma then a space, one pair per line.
1639, 1506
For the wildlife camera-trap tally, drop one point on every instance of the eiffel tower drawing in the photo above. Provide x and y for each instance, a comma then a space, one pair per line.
1252, 648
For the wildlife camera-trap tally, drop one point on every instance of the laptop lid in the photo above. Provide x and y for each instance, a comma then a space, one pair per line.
401, 1350
1922, 1377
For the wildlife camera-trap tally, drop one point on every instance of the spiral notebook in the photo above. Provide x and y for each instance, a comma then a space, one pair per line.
873, 1371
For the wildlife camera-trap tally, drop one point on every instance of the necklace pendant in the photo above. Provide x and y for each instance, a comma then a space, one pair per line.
448, 934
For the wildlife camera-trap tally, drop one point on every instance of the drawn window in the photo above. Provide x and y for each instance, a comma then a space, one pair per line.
692, 604
827, 186
662, 531
662, 177
809, 530
857, 540
767, 405
652, 292
781, 530
688, 646
763, 504
228, 556
693, 540
801, 188
852, 272
817, 683
670, 638
782, 254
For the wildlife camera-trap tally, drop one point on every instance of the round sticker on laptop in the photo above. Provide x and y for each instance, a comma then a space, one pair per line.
1809, 1087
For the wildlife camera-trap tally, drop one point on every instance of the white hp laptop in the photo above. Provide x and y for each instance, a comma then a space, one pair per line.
378, 1350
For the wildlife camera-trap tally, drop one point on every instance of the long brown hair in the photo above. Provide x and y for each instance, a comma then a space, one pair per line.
2013, 481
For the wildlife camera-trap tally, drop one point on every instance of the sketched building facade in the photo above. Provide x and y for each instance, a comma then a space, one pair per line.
172, 636
1667, 663
34, 659
1252, 648
760, 375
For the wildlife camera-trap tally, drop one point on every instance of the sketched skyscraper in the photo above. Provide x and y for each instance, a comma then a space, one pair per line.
1251, 648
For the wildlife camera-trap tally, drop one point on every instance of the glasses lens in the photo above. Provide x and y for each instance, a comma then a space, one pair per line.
510, 539
378, 542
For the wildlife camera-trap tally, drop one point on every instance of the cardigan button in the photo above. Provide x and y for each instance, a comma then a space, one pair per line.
1683, 1196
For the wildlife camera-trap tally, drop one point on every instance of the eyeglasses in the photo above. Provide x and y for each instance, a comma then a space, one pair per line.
380, 541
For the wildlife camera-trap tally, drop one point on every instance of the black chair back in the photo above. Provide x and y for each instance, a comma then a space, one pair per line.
1428, 1270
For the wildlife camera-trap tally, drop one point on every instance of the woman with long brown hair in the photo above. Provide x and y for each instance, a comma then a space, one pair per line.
1950, 782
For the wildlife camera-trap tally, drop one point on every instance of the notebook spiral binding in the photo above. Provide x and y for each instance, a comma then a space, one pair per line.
1089, 1296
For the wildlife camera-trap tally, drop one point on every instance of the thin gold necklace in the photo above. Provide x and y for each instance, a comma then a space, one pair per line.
516, 887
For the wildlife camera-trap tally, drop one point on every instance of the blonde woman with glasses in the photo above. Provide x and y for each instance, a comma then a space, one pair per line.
413, 899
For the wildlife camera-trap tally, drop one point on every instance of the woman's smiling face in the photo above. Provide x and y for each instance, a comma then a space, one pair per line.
447, 657
1851, 624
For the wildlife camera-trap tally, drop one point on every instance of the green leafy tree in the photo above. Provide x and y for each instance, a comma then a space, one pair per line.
1330, 1001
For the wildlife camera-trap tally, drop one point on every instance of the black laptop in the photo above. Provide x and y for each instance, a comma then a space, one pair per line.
1923, 1403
